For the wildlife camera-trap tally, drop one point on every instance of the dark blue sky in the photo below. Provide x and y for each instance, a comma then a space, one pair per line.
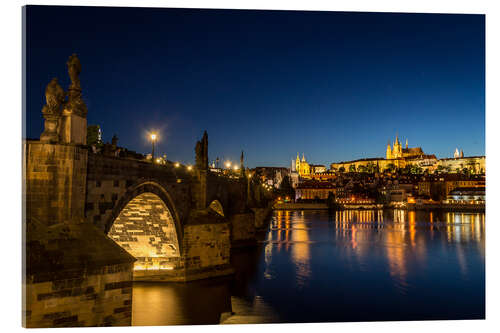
333, 85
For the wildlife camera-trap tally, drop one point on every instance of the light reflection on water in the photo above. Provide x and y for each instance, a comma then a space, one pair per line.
353, 265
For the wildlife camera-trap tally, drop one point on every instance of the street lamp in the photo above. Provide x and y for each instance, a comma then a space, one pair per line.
153, 139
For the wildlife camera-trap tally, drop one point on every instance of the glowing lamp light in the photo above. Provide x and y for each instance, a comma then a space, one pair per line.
189, 168
158, 160
153, 136
236, 167
176, 164
228, 164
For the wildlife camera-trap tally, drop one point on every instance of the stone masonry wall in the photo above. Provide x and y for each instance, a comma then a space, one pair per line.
206, 246
55, 181
99, 297
243, 229
261, 217
145, 228
109, 179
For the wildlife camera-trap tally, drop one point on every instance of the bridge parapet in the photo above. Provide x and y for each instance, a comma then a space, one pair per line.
112, 182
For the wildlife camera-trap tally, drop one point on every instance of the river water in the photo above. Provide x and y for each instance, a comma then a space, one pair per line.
312, 266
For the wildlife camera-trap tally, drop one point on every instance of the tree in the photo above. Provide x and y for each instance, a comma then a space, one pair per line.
352, 168
371, 167
94, 135
341, 169
286, 187
330, 201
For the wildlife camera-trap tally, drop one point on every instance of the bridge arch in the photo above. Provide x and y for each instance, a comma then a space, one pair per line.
145, 223
217, 207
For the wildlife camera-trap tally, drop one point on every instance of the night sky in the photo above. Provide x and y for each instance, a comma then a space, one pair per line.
336, 86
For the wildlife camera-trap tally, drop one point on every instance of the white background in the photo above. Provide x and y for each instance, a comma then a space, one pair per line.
11, 125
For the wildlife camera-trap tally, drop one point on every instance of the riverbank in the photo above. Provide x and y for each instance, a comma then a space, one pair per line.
323, 206
446, 207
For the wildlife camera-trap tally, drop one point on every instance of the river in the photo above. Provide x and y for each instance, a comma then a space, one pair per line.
312, 266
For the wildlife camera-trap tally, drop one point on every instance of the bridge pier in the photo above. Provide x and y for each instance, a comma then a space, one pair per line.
74, 275
205, 253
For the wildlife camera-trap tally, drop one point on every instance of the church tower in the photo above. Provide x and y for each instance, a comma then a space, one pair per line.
297, 163
397, 149
388, 153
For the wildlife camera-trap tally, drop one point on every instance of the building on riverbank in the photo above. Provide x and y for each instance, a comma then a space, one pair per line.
439, 186
314, 190
466, 195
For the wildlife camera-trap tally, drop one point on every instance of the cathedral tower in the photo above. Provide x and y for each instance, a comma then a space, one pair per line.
388, 154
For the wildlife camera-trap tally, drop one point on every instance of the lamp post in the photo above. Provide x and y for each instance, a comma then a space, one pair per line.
153, 139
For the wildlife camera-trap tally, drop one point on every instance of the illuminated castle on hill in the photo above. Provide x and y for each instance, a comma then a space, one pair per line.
398, 152
396, 157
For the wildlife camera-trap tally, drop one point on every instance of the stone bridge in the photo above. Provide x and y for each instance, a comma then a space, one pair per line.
93, 223
167, 217
178, 223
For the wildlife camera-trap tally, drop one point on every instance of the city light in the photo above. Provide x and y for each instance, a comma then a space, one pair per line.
236, 167
176, 164
189, 167
228, 164
153, 138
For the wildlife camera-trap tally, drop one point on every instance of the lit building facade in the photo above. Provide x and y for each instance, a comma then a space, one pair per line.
310, 190
468, 195
475, 164
398, 157
302, 167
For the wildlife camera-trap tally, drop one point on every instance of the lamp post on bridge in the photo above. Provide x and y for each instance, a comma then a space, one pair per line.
153, 139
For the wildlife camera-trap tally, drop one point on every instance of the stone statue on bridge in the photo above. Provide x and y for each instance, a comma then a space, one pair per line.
74, 69
51, 111
75, 104
201, 151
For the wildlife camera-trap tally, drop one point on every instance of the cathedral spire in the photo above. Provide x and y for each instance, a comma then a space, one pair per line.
406, 143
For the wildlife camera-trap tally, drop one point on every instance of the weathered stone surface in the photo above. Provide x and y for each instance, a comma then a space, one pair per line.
261, 217
113, 182
146, 229
74, 276
243, 229
55, 182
